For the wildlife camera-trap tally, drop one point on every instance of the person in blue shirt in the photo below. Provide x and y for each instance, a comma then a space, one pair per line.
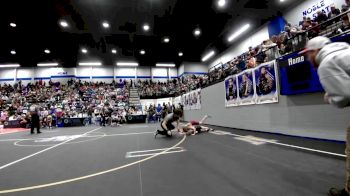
159, 111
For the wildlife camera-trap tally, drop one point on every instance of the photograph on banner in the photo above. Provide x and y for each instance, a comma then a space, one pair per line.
177, 101
246, 88
231, 91
187, 105
266, 83
195, 97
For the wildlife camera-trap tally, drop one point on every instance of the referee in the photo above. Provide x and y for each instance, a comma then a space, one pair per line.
35, 122
333, 63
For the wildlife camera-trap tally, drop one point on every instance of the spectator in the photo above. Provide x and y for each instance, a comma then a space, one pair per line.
346, 6
345, 24
270, 49
302, 22
321, 17
307, 24
334, 12
241, 64
251, 62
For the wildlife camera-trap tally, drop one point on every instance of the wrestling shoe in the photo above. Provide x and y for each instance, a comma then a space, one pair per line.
337, 192
156, 133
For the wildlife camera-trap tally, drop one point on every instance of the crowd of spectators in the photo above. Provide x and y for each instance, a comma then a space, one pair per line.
293, 38
150, 89
100, 101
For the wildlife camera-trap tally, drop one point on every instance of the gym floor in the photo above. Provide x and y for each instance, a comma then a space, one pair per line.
128, 160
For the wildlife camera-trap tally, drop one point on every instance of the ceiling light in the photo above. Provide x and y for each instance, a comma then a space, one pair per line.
84, 51
47, 64
166, 40
90, 64
105, 25
181, 54
208, 56
239, 32
13, 52
221, 3
142, 52
114, 51
9, 65
129, 64
13, 24
197, 32
165, 65
63, 23
146, 27
47, 51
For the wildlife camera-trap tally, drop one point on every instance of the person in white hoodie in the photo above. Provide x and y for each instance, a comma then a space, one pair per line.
333, 63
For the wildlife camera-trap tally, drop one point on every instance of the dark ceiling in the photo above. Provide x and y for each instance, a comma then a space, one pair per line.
38, 28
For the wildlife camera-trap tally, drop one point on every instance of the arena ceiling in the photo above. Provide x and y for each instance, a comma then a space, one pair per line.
38, 28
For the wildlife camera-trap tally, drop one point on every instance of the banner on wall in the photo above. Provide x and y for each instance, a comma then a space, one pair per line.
266, 83
231, 91
254, 86
246, 93
192, 100
320, 5
177, 101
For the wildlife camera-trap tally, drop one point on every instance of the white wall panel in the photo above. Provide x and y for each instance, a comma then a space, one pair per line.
7, 76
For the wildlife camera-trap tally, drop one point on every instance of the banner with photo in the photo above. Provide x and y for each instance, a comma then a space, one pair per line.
177, 101
246, 93
231, 98
266, 84
192, 100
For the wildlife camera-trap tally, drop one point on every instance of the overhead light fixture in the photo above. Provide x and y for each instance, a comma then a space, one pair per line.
47, 51
64, 23
181, 54
13, 52
84, 50
90, 64
197, 32
165, 65
239, 32
9, 65
128, 64
142, 52
208, 56
105, 25
146, 27
166, 40
13, 24
114, 51
47, 64
221, 3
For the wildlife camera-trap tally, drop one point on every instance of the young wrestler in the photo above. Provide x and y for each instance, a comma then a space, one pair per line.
194, 126
193, 130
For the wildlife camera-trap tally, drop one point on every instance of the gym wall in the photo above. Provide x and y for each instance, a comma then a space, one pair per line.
300, 115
